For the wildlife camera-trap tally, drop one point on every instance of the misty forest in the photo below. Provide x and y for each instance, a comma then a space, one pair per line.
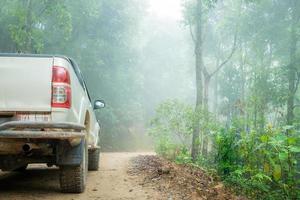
216, 88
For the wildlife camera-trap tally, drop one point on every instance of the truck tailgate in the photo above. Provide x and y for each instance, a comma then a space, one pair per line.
25, 83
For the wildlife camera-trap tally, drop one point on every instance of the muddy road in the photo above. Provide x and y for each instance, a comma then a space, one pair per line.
111, 182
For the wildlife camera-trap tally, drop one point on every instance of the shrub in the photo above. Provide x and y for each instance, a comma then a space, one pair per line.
171, 128
262, 164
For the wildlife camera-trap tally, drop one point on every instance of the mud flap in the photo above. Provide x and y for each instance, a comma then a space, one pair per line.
68, 155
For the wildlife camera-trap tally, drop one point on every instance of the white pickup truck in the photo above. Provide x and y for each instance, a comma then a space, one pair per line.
46, 116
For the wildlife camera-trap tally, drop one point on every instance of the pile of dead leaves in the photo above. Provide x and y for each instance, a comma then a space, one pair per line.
178, 181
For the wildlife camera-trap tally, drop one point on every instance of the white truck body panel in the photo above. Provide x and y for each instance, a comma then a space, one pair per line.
25, 84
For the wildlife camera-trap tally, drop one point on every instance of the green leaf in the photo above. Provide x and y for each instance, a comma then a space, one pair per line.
277, 172
264, 138
283, 156
294, 149
266, 167
292, 140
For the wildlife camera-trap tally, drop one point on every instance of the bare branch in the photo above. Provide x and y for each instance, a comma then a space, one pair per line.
191, 32
205, 72
228, 58
295, 106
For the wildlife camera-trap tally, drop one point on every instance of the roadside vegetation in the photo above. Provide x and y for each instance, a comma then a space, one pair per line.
245, 124
259, 163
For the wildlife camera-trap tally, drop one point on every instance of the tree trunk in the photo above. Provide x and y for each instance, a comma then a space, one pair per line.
206, 92
243, 87
205, 132
199, 84
292, 67
216, 97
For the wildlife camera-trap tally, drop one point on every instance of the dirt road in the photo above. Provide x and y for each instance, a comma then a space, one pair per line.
110, 183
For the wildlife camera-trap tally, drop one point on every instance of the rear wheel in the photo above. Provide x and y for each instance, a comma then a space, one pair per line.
94, 157
73, 178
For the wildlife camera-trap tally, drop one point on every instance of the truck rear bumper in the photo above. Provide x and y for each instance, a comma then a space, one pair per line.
41, 130
35, 142
12, 134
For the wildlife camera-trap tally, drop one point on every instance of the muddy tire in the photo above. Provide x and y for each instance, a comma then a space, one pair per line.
73, 178
94, 157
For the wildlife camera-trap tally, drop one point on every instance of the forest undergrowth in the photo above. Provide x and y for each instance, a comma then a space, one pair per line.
259, 163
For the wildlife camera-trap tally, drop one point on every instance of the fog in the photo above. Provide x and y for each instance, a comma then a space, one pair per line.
174, 74
212, 83
168, 9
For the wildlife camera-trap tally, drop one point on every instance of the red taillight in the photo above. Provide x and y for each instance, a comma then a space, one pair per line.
61, 88
60, 75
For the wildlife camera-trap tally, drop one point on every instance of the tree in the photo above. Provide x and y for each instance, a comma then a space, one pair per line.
28, 22
199, 84
194, 17
293, 69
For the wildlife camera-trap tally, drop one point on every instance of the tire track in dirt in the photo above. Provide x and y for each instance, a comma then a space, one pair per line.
111, 182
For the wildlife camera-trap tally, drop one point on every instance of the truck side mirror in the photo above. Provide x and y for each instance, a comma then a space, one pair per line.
98, 104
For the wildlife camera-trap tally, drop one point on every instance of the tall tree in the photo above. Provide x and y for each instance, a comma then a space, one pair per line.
293, 69
199, 85
197, 23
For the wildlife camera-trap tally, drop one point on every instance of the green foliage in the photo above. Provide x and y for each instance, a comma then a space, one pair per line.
171, 127
257, 87
183, 156
227, 155
32, 23
262, 164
